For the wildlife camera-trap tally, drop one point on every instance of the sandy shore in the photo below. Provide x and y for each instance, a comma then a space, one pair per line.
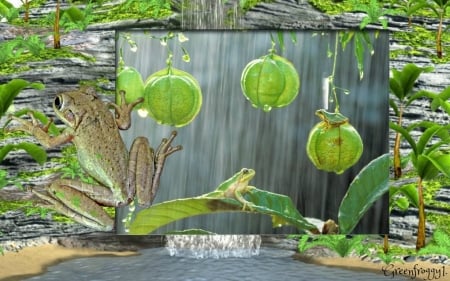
35, 260
417, 270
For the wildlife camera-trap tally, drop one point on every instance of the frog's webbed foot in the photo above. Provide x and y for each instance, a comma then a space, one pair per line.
164, 150
29, 126
123, 111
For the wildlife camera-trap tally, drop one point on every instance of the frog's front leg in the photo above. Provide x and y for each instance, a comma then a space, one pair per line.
238, 194
40, 131
80, 201
123, 111
145, 168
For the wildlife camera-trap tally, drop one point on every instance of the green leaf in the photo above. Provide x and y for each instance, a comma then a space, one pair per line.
11, 89
367, 187
402, 82
280, 207
410, 191
405, 134
425, 168
34, 150
441, 162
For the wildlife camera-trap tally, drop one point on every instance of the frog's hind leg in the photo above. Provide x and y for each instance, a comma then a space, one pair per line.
77, 207
141, 168
145, 168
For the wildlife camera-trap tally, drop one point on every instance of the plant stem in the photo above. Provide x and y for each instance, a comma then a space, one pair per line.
420, 243
56, 36
397, 159
385, 244
439, 37
331, 78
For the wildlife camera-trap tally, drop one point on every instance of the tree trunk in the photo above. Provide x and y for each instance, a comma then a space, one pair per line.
56, 35
420, 243
439, 38
398, 137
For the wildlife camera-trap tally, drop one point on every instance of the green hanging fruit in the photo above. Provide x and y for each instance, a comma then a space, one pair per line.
172, 97
333, 144
130, 81
270, 81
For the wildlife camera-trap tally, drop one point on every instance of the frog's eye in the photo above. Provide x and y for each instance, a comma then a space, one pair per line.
58, 102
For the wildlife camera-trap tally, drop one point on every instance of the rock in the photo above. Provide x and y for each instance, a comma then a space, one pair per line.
443, 195
409, 258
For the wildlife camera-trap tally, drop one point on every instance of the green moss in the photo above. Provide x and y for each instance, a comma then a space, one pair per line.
333, 7
246, 5
134, 10
421, 42
19, 64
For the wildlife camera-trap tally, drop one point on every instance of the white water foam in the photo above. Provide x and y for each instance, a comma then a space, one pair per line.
213, 246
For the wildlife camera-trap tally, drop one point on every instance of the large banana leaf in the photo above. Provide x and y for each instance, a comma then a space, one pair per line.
367, 187
279, 207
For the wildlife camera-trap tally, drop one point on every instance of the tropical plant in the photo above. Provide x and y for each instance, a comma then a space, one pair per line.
401, 84
375, 13
11, 89
427, 159
8, 11
440, 244
410, 7
340, 244
439, 7
69, 19
8, 92
14, 48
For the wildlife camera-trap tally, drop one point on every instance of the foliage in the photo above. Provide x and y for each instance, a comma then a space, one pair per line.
14, 48
401, 197
420, 42
367, 187
387, 258
72, 168
246, 5
340, 244
35, 151
438, 100
439, 7
135, 9
3, 178
11, 89
410, 7
279, 207
74, 18
20, 63
375, 13
8, 11
440, 244
401, 85
426, 157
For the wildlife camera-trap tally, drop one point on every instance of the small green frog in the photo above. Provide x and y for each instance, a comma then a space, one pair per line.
122, 176
235, 187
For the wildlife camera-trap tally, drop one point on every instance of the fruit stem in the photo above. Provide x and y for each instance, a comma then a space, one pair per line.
331, 78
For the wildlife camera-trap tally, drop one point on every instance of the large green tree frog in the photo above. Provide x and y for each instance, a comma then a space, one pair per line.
122, 176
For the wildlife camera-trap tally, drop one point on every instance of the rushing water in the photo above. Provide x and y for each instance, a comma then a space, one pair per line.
230, 134
213, 246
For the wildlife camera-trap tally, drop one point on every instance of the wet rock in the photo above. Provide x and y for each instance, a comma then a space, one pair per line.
19, 230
